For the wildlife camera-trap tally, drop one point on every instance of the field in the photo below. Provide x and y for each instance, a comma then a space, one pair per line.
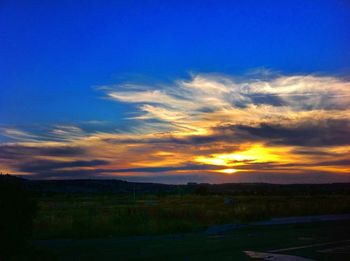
318, 241
117, 220
82, 216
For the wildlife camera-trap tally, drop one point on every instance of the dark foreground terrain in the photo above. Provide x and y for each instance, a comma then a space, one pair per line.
315, 241
120, 187
118, 220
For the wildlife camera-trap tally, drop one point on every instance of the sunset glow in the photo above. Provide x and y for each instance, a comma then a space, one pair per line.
255, 153
177, 131
176, 95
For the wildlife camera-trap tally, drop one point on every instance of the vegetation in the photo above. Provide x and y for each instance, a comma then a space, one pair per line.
17, 209
83, 216
80, 209
89, 209
199, 246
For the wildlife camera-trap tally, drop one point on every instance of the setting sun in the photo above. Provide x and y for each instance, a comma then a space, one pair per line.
227, 171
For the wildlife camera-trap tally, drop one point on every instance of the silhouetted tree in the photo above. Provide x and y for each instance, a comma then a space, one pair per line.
201, 190
17, 210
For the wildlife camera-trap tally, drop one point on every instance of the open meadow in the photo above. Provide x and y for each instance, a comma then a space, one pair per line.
322, 241
117, 220
81, 216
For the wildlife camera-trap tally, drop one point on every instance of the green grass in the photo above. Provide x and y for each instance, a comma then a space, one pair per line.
100, 216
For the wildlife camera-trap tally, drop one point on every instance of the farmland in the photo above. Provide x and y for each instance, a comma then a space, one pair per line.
81, 216
88, 220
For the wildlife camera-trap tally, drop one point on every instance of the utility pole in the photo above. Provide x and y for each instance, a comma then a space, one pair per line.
134, 193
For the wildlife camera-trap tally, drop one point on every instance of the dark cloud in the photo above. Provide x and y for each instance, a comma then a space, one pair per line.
313, 152
67, 174
52, 169
277, 166
342, 162
328, 133
38, 166
268, 99
206, 110
169, 168
309, 134
192, 140
42, 170
22, 152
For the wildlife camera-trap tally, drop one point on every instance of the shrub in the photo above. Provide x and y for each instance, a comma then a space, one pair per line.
17, 210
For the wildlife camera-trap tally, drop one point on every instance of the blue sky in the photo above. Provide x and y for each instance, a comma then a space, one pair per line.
53, 52
74, 73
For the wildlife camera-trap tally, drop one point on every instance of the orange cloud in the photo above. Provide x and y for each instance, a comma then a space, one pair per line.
209, 123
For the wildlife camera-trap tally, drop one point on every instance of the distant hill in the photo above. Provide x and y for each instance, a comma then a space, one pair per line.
95, 186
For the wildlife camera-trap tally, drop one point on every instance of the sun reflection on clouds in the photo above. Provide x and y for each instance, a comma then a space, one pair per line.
208, 123
255, 153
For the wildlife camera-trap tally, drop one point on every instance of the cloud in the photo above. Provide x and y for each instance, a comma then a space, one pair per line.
188, 167
344, 162
317, 133
21, 152
17, 134
218, 93
49, 165
281, 123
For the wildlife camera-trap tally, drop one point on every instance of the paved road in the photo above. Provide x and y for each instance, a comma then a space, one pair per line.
326, 240
224, 228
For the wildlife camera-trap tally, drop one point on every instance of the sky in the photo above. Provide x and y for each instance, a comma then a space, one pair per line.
176, 91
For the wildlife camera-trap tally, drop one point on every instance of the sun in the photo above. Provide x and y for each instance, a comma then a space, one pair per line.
227, 171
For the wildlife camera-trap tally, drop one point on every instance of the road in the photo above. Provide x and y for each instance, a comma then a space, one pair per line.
326, 240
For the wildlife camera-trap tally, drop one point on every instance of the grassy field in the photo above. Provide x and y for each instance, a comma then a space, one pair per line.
318, 241
112, 215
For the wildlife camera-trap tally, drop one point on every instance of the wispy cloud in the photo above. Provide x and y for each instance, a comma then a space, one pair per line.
17, 134
200, 126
